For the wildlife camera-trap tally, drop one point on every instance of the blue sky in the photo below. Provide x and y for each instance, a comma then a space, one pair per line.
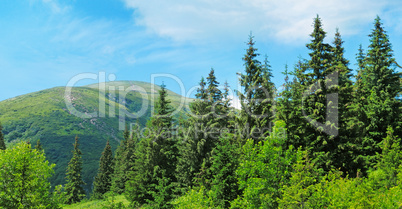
45, 43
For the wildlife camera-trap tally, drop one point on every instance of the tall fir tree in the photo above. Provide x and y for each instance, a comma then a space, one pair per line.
2, 143
153, 176
319, 108
257, 97
343, 143
190, 135
213, 92
103, 180
74, 190
290, 106
358, 94
209, 116
377, 88
224, 162
124, 161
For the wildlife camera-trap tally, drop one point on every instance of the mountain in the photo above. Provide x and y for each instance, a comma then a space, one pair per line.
56, 116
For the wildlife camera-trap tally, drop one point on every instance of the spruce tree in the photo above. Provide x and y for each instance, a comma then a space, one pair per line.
290, 108
378, 85
390, 159
209, 116
213, 92
124, 161
74, 190
201, 91
318, 104
257, 97
343, 88
224, 182
358, 94
2, 143
153, 176
103, 180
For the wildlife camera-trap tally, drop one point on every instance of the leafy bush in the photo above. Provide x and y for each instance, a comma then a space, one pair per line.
24, 178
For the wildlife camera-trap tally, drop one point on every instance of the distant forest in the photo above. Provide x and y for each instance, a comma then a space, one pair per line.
328, 139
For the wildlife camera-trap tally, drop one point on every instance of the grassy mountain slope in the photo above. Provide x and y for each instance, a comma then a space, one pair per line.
44, 115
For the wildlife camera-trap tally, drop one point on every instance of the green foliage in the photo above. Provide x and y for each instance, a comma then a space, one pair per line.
319, 108
74, 191
2, 143
349, 153
378, 86
381, 189
103, 181
24, 178
224, 162
59, 195
301, 184
38, 145
258, 96
153, 173
110, 201
200, 133
124, 161
264, 168
194, 199
290, 106
389, 160
140, 179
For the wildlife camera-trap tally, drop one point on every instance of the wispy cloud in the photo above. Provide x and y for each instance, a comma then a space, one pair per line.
286, 21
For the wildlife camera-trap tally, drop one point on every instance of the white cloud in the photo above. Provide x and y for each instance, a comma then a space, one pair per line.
286, 21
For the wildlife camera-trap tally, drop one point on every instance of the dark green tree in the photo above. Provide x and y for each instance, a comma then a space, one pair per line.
224, 163
342, 88
124, 161
209, 116
389, 160
103, 180
290, 106
2, 143
257, 97
74, 190
319, 100
153, 176
201, 91
213, 92
378, 85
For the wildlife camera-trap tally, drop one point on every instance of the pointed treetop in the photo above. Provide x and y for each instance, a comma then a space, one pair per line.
214, 94
201, 91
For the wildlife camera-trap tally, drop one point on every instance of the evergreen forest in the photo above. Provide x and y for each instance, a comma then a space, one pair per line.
330, 137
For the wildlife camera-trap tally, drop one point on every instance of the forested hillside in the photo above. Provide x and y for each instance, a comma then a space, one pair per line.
44, 116
329, 138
